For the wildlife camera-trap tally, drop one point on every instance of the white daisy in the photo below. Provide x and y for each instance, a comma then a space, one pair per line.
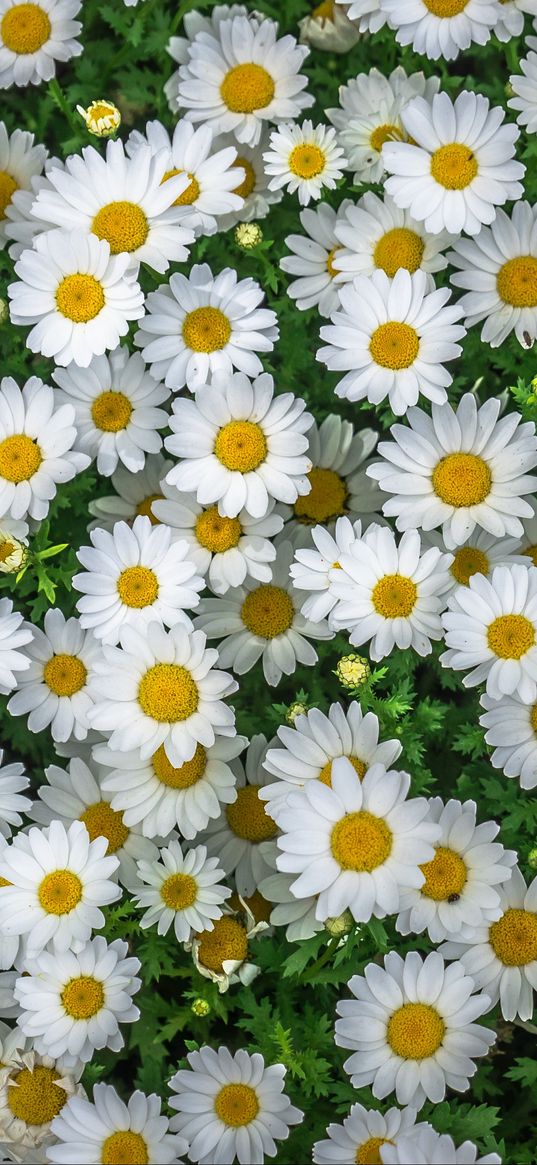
72, 1004
313, 259
135, 494
313, 567
364, 1133
328, 28
34, 36
304, 159
204, 324
338, 478
257, 197
460, 165
460, 469
242, 838
20, 161
11, 946
392, 338
511, 20
20, 225
12, 802
297, 915
185, 890
33, 1090
524, 88
491, 628
77, 294
55, 687
193, 22
528, 546
108, 1130
240, 445
441, 28
116, 403
374, 233
14, 634
231, 1106
511, 726
424, 1146
223, 953
411, 1028
365, 13
479, 555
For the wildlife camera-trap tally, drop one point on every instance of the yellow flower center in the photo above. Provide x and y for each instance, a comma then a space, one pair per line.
216, 533
168, 693
236, 1105
533, 718
34, 1097
186, 775
247, 817
64, 674
245, 188
368, 1153
399, 247
445, 9
247, 87
384, 133
144, 508
267, 611
468, 561
462, 479
25, 28
445, 876
415, 1031
123, 225
8, 186
83, 997
332, 270
20, 458
530, 552
259, 907
511, 636
124, 1148
60, 892
516, 282
324, 11
394, 596
6, 550
326, 500
179, 891
241, 446
137, 587
4, 882
206, 329
394, 345
103, 821
227, 940
361, 842
111, 411
513, 938
80, 298
307, 160
358, 765
190, 194
453, 166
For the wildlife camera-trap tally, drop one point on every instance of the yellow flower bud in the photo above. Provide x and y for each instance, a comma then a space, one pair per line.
13, 553
341, 925
102, 118
532, 858
352, 671
294, 710
201, 1008
248, 235
4, 312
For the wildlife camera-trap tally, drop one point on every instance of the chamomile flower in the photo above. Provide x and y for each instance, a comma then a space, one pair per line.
313, 259
204, 324
297, 915
392, 337
223, 953
411, 1028
423, 1146
34, 36
14, 634
20, 226
479, 555
79, 297
72, 1004
491, 628
12, 801
55, 688
460, 469
511, 730
313, 567
33, 1091
241, 839
185, 890
460, 165
338, 477
364, 1133
110, 1129
134, 494
524, 86
439, 28
511, 20
304, 159
194, 22
11, 946
240, 445
375, 234
117, 414
232, 1106
366, 14
328, 28
20, 161
257, 197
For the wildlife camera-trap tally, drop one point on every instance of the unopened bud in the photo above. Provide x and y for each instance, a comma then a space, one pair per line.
4, 312
532, 858
102, 118
248, 235
201, 1008
294, 710
352, 671
341, 925
13, 553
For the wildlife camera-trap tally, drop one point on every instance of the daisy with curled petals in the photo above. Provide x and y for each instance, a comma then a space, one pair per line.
55, 687
79, 297
338, 477
479, 555
204, 324
12, 801
20, 161
242, 838
328, 28
364, 1133
304, 159
14, 634
72, 1004
461, 884
194, 22
441, 28
460, 469
366, 14
240, 445
257, 197
116, 403
375, 234
34, 36
524, 86
297, 915
511, 21
313, 568
390, 594
460, 165
491, 628
183, 890
223, 952
134, 494
313, 259
411, 1028
232, 1106
110, 1130
33, 1090
511, 731
392, 337
501, 957
426, 1147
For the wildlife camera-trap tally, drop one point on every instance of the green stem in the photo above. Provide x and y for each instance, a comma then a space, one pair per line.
58, 96
330, 948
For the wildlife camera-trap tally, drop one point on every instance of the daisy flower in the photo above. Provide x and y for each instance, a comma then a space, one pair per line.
184, 890
108, 1129
55, 688
222, 953
328, 29
511, 726
491, 628
11, 947
116, 403
313, 259
204, 324
12, 801
34, 36
364, 1133
253, 78
19, 226
312, 569
193, 22
134, 494
257, 197
241, 839
304, 159
424, 1146
479, 555
297, 915
511, 20
240, 446
73, 1004
375, 234
459, 469
161, 688
77, 294
441, 28
33, 1090
14, 634
338, 480
20, 161
529, 537
460, 165
392, 337
366, 14
524, 88
390, 594
231, 1105
411, 1030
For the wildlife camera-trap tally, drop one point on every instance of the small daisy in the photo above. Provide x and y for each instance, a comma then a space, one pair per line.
193, 22
12, 802
134, 494
411, 1029
242, 838
328, 28
240, 445
116, 403
460, 165
459, 469
441, 28
366, 14
491, 628
231, 1106
304, 159
479, 555
257, 197
390, 594
109, 1130
313, 259
204, 324
423, 1146
223, 953
14, 634
20, 161
184, 890
313, 568
338, 477
34, 36
511, 726
375, 234
77, 294
524, 88
364, 1133
33, 1090
297, 915
73, 1004
392, 337
55, 688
